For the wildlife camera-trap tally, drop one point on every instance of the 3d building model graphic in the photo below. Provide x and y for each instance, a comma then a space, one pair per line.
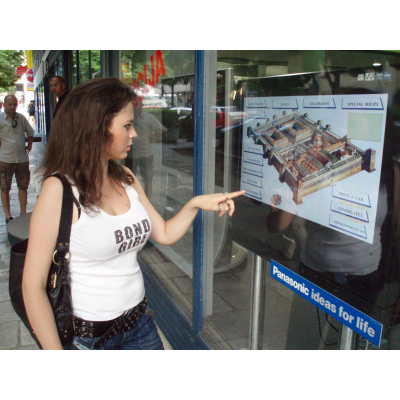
307, 155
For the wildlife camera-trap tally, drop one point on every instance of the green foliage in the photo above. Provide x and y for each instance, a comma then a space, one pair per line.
156, 112
169, 118
136, 59
186, 128
84, 63
177, 63
9, 61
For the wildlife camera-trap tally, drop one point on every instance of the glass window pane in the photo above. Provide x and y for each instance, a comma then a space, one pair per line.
75, 67
291, 141
84, 61
162, 154
95, 64
60, 66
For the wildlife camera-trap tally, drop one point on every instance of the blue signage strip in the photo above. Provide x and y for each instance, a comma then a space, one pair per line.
338, 309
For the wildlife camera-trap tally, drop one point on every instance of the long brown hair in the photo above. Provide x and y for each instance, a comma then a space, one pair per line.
80, 134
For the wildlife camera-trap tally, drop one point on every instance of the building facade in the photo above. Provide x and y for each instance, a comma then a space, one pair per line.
255, 120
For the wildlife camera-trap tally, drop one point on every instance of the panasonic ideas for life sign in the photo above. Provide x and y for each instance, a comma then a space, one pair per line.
338, 309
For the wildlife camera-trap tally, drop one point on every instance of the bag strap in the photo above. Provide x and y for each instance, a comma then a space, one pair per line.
64, 231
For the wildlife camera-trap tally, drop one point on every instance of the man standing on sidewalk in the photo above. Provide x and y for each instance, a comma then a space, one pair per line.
58, 87
14, 155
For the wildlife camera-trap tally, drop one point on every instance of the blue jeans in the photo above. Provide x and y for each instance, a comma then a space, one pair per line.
144, 336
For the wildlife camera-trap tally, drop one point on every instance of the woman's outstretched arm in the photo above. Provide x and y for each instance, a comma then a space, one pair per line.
169, 232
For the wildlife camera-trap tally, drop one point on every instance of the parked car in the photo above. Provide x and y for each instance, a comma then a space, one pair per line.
183, 112
227, 116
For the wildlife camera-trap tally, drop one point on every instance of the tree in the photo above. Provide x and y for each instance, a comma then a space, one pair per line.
84, 64
177, 63
179, 68
9, 61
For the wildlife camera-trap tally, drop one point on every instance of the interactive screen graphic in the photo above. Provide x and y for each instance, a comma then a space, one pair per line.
318, 157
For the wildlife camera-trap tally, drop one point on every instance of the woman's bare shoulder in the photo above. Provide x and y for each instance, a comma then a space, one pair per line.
46, 214
51, 187
50, 197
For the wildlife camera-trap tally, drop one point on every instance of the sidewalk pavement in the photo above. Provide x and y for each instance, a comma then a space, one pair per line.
13, 334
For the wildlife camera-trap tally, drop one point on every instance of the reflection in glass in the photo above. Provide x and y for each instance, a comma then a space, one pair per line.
75, 59
84, 65
60, 67
162, 155
95, 64
355, 271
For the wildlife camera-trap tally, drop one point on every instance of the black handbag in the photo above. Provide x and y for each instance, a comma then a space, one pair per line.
58, 289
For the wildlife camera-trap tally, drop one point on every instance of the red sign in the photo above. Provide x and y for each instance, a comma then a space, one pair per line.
149, 82
29, 75
21, 70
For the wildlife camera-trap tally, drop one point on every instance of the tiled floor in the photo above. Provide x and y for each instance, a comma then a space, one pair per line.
13, 334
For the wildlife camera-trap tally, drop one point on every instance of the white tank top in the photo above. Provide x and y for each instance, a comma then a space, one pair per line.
105, 276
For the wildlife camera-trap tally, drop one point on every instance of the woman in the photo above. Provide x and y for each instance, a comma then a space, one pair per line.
90, 133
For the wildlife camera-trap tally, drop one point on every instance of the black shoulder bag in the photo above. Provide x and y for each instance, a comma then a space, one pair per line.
58, 289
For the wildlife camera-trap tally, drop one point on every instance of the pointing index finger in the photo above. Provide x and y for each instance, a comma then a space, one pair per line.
236, 194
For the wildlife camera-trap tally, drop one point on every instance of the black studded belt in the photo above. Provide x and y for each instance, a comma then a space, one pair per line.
107, 329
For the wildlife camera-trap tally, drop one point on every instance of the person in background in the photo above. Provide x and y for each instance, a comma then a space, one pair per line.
31, 111
148, 129
1, 106
93, 132
14, 154
58, 87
